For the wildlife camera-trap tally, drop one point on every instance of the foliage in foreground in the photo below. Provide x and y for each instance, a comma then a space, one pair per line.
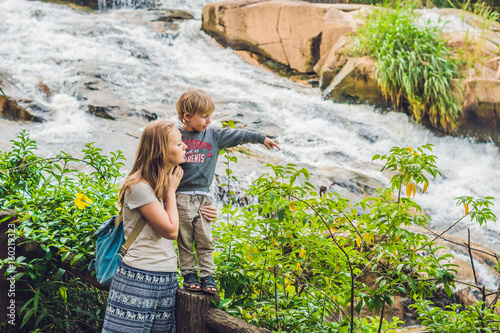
59, 207
294, 260
414, 66
297, 260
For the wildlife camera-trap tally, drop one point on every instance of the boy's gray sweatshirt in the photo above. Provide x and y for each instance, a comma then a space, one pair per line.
203, 150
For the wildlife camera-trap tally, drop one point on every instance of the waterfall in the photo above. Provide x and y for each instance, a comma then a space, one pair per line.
118, 56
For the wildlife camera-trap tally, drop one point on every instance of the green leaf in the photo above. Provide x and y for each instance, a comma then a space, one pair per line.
64, 293
447, 289
359, 306
344, 329
35, 300
27, 317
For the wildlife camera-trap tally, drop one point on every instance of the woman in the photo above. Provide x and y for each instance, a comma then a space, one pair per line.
142, 294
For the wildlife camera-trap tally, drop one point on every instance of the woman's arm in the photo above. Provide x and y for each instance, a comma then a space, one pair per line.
165, 221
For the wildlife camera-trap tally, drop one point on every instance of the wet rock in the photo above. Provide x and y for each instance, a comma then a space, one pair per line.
139, 55
9, 109
96, 88
38, 14
175, 15
44, 89
355, 83
483, 100
17, 106
168, 20
101, 111
481, 108
150, 116
79, 4
354, 182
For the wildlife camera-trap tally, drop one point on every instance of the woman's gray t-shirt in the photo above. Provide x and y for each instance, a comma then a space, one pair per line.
149, 251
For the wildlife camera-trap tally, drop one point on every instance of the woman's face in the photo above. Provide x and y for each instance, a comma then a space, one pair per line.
177, 148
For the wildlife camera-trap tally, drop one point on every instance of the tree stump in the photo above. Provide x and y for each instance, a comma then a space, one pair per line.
189, 310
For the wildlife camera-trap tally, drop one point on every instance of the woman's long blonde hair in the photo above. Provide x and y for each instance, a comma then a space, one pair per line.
151, 160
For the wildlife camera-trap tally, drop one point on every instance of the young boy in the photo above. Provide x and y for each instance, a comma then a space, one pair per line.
204, 143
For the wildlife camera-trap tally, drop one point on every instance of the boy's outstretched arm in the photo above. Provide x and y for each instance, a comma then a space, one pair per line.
269, 143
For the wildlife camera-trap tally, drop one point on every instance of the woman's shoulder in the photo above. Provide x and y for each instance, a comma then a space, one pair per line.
140, 189
140, 186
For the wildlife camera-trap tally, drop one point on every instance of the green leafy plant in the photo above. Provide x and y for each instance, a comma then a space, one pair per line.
456, 319
414, 66
59, 202
295, 252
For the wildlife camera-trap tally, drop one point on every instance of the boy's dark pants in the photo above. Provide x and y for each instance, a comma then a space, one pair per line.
194, 228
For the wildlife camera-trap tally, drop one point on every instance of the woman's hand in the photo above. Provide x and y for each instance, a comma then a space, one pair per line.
209, 212
174, 178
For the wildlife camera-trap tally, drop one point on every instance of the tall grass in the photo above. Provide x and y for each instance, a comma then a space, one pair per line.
414, 66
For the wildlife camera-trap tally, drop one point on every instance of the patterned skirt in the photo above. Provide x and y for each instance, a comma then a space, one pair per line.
141, 301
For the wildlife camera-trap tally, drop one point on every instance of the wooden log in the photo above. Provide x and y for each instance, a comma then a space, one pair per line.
189, 309
223, 322
195, 312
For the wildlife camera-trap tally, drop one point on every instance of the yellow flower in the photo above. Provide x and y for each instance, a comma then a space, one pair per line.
409, 148
82, 201
302, 253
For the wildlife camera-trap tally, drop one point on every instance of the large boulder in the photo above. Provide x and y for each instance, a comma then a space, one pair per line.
482, 100
293, 33
353, 81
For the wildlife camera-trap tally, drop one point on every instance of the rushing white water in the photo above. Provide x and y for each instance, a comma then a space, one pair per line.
53, 44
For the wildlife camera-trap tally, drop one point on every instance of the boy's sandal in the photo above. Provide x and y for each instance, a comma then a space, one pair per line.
209, 282
191, 282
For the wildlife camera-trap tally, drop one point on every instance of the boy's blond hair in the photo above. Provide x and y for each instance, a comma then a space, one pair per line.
194, 101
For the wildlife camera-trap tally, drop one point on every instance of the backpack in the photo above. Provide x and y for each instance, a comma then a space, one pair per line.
111, 247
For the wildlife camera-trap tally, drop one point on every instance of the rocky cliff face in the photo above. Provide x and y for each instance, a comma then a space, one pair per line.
312, 39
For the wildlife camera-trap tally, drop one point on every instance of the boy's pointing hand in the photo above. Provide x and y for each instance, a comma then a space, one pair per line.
270, 144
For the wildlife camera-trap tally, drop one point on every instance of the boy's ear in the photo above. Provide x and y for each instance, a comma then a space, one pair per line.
187, 117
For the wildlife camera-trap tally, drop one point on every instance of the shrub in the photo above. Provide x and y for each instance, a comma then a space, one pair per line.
59, 202
295, 260
413, 65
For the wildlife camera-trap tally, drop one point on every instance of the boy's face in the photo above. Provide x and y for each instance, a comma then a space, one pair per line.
197, 122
